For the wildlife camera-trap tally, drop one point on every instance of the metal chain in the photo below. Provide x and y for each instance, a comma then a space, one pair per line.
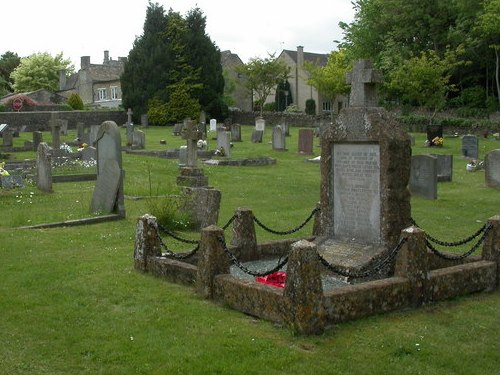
296, 229
468, 253
369, 272
170, 254
456, 243
238, 264
172, 234
229, 222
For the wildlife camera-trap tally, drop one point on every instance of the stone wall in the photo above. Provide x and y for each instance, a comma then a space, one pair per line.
278, 118
39, 121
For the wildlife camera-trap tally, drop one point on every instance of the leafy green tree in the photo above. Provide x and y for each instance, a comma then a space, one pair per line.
262, 76
75, 101
182, 104
310, 107
489, 25
8, 62
40, 71
330, 80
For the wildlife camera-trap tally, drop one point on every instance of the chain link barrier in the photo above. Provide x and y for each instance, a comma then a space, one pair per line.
284, 233
245, 269
369, 270
229, 222
169, 253
429, 240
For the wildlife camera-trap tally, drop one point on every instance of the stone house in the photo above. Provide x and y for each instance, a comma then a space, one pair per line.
234, 85
97, 84
301, 90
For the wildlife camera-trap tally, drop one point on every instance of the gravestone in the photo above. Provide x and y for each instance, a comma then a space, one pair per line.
129, 116
94, 131
433, 131
144, 121
306, 138
3, 127
236, 132
89, 154
257, 136
260, 124
182, 156
365, 168
56, 134
492, 168
213, 125
423, 176
130, 133
37, 139
224, 142
139, 139
80, 130
8, 138
11, 181
470, 146
444, 167
279, 142
64, 127
177, 128
191, 175
44, 168
203, 117
108, 193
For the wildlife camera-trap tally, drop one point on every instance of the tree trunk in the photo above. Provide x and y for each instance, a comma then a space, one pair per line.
497, 73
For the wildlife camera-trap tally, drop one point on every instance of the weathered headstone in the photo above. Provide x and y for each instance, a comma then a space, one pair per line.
224, 142
44, 168
470, 146
278, 141
492, 169
8, 138
423, 177
139, 139
260, 124
365, 168
56, 134
191, 134
108, 193
257, 136
182, 156
144, 121
306, 138
130, 133
80, 130
444, 167
64, 127
94, 131
129, 116
177, 128
89, 154
213, 125
236, 132
37, 139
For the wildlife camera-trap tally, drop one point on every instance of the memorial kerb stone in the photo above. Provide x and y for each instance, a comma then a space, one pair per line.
423, 177
306, 139
365, 169
108, 196
279, 139
37, 139
236, 132
257, 136
492, 169
470, 146
224, 142
44, 168
444, 167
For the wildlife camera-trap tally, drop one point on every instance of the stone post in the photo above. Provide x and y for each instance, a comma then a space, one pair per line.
304, 308
491, 245
412, 263
244, 237
147, 243
212, 262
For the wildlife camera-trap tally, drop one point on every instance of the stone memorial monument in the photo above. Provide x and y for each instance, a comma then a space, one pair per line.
365, 168
492, 169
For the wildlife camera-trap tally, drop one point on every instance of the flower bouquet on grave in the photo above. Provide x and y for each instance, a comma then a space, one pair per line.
437, 141
276, 279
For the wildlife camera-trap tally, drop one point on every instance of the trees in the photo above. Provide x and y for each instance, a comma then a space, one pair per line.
283, 96
40, 71
8, 62
330, 80
262, 76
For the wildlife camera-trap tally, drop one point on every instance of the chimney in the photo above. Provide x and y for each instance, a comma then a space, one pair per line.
62, 79
300, 56
85, 62
106, 57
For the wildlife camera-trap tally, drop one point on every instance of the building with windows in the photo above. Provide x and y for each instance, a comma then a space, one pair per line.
97, 84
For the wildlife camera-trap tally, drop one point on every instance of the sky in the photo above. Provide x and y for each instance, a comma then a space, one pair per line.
252, 28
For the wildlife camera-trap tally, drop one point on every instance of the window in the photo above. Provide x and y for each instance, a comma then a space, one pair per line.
114, 92
327, 106
101, 95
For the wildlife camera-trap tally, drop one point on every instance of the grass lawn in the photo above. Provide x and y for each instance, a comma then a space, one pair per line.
72, 303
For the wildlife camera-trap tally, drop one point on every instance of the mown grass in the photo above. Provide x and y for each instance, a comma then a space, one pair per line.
72, 303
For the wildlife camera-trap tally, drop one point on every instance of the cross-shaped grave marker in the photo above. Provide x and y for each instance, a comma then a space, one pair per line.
192, 135
363, 81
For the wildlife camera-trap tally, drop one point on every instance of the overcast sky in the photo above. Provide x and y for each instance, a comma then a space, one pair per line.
251, 28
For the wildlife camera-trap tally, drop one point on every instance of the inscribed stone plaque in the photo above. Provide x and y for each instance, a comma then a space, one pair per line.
470, 146
356, 191
106, 188
423, 176
492, 169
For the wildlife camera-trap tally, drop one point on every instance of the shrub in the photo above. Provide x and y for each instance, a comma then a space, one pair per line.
270, 107
157, 112
75, 102
310, 107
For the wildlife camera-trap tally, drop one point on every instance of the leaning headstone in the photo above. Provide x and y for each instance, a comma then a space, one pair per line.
306, 137
236, 132
37, 139
108, 193
257, 136
423, 176
492, 168
260, 124
224, 142
278, 140
470, 146
444, 167
365, 168
44, 167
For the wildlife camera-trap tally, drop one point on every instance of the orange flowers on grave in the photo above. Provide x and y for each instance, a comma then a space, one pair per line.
437, 141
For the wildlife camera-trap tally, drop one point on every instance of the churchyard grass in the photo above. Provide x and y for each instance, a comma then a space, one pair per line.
72, 303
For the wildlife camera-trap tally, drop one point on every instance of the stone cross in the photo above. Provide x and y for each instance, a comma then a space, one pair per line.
363, 81
129, 116
192, 135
